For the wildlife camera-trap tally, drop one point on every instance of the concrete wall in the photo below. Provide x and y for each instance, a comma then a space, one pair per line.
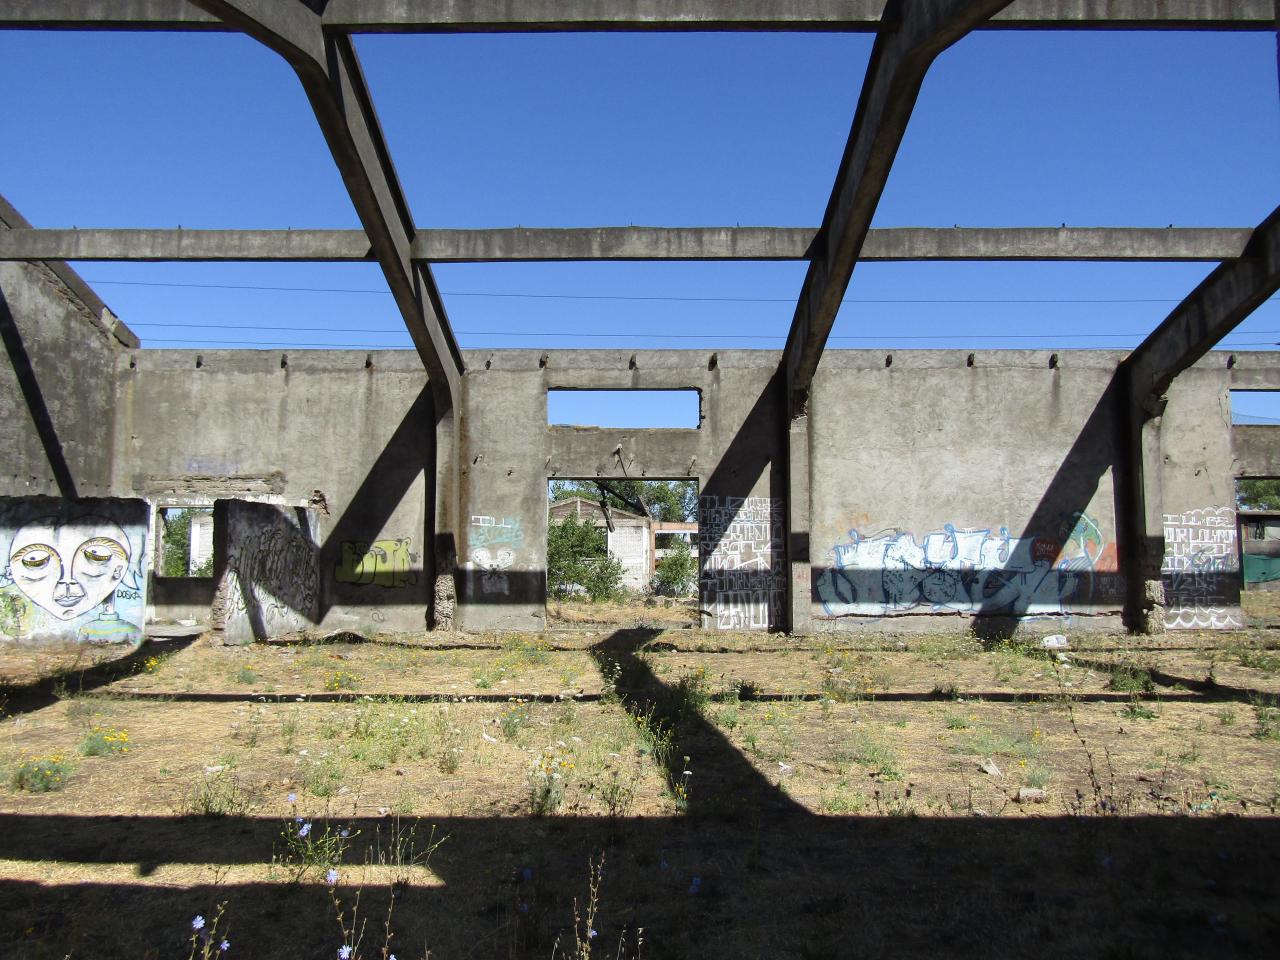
57, 388
961, 486
346, 435
74, 571
945, 488
269, 576
510, 452
1201, 569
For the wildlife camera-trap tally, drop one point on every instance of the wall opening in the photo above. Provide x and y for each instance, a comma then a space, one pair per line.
628, 409
620, 551
184, 542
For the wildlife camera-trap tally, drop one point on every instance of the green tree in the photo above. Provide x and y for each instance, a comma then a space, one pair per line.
177, 543
667, 500
577, 557
1258, 494
177, 546
674, 574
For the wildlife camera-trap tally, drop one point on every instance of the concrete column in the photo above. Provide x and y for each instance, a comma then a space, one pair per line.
799, 503
444, 516
1143, 506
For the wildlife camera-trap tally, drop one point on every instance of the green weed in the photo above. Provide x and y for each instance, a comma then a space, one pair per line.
41, 774
102, 741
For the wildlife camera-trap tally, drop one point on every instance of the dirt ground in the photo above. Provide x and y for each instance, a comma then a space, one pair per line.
750, 795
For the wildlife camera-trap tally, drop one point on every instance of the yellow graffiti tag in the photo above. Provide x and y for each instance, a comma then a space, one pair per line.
383, 563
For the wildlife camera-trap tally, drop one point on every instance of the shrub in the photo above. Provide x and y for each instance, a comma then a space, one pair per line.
41, 774
101, 741
675, 574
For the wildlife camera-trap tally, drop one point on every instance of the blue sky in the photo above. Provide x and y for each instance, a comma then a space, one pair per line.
1012, 129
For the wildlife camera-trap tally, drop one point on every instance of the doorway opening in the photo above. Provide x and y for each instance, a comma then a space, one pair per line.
622, 551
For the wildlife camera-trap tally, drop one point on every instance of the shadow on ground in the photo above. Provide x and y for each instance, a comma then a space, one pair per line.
745, 872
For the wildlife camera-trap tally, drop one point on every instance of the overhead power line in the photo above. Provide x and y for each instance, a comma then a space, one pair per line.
680, 336
671, 299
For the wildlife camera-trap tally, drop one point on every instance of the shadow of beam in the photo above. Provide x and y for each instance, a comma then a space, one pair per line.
29, 384
724, 782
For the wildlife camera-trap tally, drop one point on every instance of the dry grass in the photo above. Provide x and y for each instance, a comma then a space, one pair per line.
825, 797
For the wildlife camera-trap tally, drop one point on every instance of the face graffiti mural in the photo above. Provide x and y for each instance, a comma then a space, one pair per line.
977, 571
72, 577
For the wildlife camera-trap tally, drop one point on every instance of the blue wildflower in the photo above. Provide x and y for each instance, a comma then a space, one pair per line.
695, 885
292, 798
526, 873
331, 877
590, 934
522, 907
344, 952
197, 923
344, 833
224, 946
304, 830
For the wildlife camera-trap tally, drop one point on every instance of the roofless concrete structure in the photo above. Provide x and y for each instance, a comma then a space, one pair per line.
1109, 500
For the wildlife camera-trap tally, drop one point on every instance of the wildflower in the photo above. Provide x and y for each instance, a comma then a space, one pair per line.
527, 873
331, 877
224, 946
197, 923
292, 798
344, 833
590, 934
522, 907
304, 830
344, 952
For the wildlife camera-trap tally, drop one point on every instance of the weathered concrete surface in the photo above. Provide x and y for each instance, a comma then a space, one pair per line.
1201, 569
492, 16
982, 493
511, 453
343, 433
632, 243
1255, 450
268, 571
56, 388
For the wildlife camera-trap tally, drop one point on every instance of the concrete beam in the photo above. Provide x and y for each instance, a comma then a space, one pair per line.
1255, 451
1216, 307
174, 245
899, 60
528, 16
334, 83
797, 243
631, 243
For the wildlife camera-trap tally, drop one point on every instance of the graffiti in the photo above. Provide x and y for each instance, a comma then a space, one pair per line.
964, 570
271, 584
1201, 570
383, 563
72, 571
740, 558
493, 546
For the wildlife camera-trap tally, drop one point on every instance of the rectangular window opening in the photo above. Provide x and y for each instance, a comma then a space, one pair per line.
627, 409
184, 542
621, 551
